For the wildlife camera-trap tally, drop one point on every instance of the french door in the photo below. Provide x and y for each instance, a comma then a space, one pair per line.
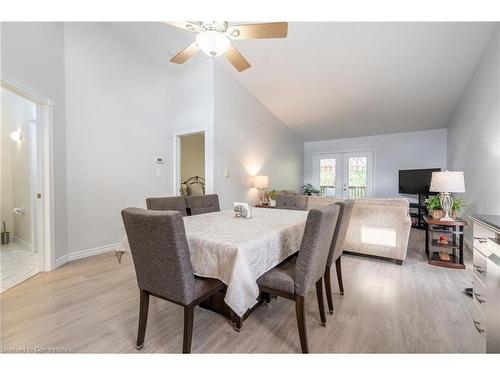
344, 174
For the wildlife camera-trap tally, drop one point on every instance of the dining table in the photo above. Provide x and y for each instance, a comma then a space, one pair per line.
237, 251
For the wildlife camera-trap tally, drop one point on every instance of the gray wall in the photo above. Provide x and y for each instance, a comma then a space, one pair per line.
33, 55
117, 118
250, 140
411, 150
474, 134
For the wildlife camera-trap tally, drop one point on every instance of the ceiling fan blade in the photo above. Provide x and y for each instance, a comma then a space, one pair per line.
259, 31
185, 54
186, 25
236, 59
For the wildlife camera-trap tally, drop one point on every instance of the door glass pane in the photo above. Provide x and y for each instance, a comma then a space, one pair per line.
327, 177
357, 176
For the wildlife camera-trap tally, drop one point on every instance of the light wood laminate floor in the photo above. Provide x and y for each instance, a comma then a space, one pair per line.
91, 305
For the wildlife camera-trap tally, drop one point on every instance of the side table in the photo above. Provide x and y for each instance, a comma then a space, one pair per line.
454, 248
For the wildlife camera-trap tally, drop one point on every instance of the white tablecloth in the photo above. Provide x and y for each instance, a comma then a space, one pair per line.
238, 251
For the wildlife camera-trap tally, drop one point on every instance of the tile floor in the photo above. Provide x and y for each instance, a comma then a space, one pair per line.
17, 264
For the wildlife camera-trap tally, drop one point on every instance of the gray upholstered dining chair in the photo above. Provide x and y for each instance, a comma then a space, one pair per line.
336, 249
291, 202
163, 266
294, 277
202, 204
167, 204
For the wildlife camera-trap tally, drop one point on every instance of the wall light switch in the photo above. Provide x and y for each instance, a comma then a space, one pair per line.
158, 172
217, 172
226, 173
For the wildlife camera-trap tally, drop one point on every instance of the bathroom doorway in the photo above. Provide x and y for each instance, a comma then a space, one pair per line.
19, 251
191, 162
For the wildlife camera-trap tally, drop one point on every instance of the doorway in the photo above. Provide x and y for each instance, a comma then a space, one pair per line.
344, 174
26, 184
19, 247
190, 166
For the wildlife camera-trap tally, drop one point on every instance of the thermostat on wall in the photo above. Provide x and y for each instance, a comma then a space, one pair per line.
160, 161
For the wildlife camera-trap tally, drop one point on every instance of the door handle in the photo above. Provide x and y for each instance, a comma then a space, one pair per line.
481, 239
480, 300
478, 326
479, 269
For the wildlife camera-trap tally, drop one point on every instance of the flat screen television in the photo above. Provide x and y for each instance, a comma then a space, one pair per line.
415, 181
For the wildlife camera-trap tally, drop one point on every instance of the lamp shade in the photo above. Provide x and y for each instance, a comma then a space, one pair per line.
261, 182
448, 182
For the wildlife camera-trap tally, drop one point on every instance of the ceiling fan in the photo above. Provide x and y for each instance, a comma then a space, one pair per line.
214, 39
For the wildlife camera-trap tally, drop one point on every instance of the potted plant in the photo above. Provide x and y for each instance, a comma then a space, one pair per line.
308, 189
433, 205
458, 204
271, 196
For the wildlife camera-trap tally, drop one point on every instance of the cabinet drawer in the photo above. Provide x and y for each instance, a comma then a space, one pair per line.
479, 322
481, 235
479, 266
479, 295
494, 245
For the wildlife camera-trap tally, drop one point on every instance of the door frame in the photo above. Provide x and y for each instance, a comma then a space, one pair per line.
44, 172
176, 159
316, 155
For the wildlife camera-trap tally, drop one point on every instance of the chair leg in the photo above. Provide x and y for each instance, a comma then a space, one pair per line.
143, 319
328, 290
188, 328
338, 266
321, 304
301, 323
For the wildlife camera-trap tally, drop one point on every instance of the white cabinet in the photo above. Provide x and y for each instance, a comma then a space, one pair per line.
486, 280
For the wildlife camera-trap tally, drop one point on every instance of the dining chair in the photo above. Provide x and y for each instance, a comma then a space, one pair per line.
294, 277
202, 204
167, 204
336, 249
163, 266
291, 202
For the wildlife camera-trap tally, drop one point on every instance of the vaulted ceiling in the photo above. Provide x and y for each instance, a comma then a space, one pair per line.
334, 80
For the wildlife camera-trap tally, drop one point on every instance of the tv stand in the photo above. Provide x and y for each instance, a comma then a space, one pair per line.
419, 212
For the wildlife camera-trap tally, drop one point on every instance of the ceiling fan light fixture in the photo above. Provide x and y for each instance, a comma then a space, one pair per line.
213, 43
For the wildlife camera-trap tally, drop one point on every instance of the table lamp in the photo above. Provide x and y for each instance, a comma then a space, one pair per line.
446, 183
261, 183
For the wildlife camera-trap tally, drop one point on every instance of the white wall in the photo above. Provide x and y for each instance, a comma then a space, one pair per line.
192, 108
117, 124
474, 135
411, 150
250, 140
32, 53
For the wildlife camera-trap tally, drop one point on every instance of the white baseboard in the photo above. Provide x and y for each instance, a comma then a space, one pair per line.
85, 253
61, 261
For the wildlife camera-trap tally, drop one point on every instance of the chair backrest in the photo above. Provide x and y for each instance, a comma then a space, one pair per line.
160, 252
291, 202
167, 204
315, 247
202, 204
338, 241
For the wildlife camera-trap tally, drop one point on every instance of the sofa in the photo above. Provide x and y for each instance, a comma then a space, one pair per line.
378, 228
